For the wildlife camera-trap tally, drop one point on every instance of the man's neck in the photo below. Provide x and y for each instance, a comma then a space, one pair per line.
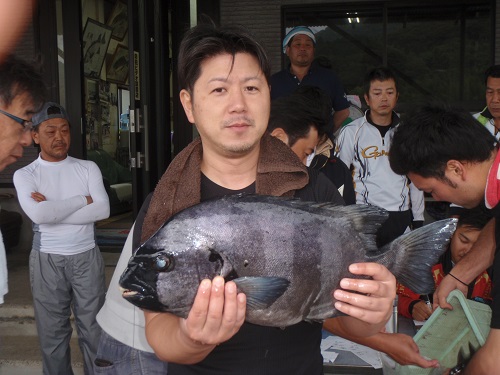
231, 172
299, 71
496, 122
380, 120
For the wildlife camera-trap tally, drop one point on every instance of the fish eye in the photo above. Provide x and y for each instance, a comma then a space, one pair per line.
162, 263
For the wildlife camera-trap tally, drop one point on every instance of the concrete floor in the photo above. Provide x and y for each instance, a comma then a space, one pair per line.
19, 348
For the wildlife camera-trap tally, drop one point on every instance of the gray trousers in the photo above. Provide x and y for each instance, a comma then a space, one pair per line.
59, 284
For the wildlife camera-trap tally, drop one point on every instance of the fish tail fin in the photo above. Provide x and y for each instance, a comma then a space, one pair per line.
411, 256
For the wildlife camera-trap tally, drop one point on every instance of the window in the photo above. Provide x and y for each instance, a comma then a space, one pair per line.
437, 51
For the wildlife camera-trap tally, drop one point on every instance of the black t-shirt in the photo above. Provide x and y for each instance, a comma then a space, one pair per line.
259, 350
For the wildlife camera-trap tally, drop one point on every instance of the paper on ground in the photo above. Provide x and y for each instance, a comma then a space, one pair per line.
367, 354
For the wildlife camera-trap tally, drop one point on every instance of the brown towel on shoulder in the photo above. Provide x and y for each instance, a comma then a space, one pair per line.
279, 173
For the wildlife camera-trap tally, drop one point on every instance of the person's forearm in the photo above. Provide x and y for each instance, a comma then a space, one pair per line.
479, 258
354, 328
169, 343
337, 327
98, 207
52, 212
97, 210
339, 117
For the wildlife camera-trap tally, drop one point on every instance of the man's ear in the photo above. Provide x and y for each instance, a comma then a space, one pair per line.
35, 136
281, 135
456, 169
187, 103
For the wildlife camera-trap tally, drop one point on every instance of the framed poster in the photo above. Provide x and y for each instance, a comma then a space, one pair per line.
96, 37
117, 68
92, 91
118, 20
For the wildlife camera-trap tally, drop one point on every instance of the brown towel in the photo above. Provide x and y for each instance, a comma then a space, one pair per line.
279, 173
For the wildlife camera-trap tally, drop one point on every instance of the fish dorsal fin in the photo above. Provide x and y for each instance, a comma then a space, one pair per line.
366, 220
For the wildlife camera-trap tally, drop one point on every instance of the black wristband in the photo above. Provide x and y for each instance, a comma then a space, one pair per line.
456, 278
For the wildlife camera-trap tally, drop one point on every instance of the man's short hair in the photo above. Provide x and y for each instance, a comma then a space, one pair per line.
18, 77
431, 135
475, 218
300, 111
207, 40
381, 74
493, 71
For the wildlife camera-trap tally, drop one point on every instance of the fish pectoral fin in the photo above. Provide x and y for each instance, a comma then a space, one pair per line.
261, 292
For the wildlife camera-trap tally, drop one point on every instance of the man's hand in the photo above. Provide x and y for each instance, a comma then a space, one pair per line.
405, 351
217, 313
374, 305
444, 289
421, 311
39, 197
479, 258
89, 199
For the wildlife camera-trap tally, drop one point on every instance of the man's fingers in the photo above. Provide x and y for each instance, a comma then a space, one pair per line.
375, 270
217, 313
234, 311
198, 314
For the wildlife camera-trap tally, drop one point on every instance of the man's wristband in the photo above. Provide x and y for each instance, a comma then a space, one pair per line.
456, 278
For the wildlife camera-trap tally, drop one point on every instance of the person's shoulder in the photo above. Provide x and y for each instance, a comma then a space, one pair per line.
326, 72
27, 169
319, 189
279, 73
354, 125
279, 76
337, 162
89, 164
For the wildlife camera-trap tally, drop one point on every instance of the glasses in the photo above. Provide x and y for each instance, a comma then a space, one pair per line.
27, 125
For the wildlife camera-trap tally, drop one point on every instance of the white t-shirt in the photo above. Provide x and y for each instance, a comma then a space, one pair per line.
64, 223
118, 317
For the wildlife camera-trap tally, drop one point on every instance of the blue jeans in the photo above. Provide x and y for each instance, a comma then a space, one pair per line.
115, 358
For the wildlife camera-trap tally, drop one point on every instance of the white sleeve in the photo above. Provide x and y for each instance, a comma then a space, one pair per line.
344, 146
417, 203
99, 208
47, 212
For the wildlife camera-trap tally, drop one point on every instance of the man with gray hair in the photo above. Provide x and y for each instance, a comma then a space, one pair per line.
22, 92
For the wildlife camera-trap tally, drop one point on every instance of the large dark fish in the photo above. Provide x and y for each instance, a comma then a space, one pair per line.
286, 255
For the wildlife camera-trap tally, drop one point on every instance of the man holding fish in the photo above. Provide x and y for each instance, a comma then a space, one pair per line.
250, 292
224, 75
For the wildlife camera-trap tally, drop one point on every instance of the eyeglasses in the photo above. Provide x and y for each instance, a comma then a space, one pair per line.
27, 125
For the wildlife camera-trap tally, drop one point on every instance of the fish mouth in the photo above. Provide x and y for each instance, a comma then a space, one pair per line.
143, 301
138, 292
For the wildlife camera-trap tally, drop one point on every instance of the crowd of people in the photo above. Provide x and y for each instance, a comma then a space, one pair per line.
260, 134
